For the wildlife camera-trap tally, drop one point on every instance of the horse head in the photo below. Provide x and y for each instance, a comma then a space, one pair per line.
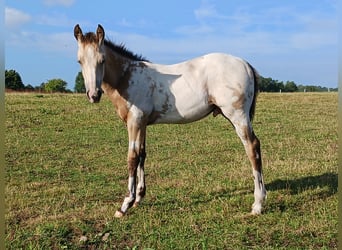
91, 57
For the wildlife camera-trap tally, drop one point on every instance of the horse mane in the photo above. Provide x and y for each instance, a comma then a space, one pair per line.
123, 51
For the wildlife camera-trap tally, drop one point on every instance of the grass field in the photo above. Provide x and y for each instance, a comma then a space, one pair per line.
66, 175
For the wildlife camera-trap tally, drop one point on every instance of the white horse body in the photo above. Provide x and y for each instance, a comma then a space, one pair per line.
184, 92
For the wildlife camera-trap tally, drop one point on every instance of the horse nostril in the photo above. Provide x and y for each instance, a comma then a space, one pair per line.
96, 98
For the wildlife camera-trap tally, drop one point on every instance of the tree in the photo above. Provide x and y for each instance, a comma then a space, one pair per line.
13, 80
270, 85
55, 85
79, 83
290, 86
29, 87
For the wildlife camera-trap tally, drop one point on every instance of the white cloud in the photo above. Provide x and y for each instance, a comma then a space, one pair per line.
271, 29
195, 29
139, 23
206, 10
63, 43
20, 37
15, 18
65, 3
312, 40
55, 19
125, 23
317, 31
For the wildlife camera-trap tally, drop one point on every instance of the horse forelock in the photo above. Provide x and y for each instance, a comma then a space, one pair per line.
89, 37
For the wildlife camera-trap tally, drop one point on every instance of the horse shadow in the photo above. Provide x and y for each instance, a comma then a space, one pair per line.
299, 185
326, 185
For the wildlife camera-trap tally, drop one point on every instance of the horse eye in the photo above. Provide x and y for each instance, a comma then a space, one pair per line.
79, 61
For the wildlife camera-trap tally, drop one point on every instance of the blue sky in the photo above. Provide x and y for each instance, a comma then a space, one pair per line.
286, 40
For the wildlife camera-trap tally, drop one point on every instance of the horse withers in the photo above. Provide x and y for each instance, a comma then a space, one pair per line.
144, 93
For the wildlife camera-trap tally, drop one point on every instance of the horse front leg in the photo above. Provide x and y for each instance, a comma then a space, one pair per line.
135, 162
141, 187
130, 198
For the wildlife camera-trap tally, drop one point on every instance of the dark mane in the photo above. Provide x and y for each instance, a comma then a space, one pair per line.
122, 50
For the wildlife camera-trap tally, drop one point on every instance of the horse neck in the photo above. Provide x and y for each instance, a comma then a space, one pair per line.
115, 69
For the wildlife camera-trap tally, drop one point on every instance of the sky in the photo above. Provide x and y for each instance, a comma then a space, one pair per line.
287, 40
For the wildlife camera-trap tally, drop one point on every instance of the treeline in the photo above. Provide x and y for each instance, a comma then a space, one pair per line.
271, 85
13, 81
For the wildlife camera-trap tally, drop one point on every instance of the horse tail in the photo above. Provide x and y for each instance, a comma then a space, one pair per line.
256, 77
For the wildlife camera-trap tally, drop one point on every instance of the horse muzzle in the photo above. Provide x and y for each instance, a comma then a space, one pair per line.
94, 97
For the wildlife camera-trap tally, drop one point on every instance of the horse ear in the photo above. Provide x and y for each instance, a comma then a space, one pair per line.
100, 34
78, 32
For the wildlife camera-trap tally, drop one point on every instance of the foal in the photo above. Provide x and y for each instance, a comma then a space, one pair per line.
144, 93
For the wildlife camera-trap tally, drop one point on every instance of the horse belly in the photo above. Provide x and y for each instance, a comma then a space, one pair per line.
176, 118
183, 111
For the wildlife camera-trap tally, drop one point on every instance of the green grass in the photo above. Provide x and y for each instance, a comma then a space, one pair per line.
66, 175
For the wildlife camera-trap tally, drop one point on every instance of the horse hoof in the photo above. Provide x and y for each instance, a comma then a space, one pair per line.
136, 204
118, 214
256, 209
255, 212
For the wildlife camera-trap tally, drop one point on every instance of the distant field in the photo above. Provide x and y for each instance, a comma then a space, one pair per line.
66, 175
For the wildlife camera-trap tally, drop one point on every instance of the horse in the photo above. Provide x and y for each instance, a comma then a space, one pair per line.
144, 93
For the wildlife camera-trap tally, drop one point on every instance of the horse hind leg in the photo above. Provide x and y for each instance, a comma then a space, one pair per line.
254, 154
252, 147
251, 143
